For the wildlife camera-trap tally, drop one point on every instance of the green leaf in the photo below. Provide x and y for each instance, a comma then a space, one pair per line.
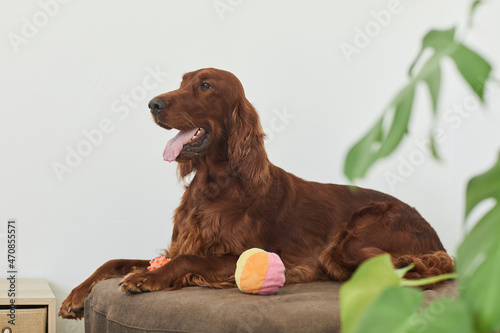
364, 153
399, 126
434, 150
391, 311
435, 39
439, 39
442, 316
483, 187
482, 293
400, 272
375, 144
433, 81
365, 285
473, 7
479, 254
396, 311
472, 10
474, 69
474, 250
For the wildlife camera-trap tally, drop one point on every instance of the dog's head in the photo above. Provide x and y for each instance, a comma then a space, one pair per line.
214, 119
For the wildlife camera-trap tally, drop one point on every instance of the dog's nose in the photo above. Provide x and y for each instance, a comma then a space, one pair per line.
157, 105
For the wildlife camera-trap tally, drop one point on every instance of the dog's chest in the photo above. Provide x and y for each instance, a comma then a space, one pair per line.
216, 230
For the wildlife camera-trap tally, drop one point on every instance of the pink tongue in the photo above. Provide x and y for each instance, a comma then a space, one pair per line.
174, 145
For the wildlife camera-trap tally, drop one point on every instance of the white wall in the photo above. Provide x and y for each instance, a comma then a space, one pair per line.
76, 70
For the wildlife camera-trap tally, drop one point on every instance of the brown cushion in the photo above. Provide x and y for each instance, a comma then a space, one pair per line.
306, 307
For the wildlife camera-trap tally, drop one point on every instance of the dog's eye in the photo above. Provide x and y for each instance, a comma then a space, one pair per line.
205, 86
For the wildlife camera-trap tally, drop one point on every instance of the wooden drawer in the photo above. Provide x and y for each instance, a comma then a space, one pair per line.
35, 306
28, 320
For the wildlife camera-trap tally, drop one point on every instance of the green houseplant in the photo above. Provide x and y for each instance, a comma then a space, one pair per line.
376, 298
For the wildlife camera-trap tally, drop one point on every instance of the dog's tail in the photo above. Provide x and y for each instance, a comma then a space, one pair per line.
426, 265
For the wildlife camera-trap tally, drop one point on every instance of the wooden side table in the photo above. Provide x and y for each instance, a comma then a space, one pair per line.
31, 292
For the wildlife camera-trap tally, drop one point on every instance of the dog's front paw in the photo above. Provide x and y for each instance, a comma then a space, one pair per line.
72, 306
138, 282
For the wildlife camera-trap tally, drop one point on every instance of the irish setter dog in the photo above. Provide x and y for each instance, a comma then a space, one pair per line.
238, 200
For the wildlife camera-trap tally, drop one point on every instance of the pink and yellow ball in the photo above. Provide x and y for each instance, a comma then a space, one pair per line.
259, 272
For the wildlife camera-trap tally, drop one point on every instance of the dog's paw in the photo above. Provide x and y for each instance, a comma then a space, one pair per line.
138, 282
72, 306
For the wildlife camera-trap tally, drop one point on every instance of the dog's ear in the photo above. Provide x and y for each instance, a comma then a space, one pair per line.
246, 152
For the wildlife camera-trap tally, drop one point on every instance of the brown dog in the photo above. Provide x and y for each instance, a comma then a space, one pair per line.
238, 200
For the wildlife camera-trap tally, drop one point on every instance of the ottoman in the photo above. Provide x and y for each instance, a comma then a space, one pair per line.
305, 307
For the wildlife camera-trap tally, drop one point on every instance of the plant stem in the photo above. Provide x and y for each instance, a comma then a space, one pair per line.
422, 282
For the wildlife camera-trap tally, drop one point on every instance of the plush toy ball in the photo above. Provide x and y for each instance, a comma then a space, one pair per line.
157, 262
259, 272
